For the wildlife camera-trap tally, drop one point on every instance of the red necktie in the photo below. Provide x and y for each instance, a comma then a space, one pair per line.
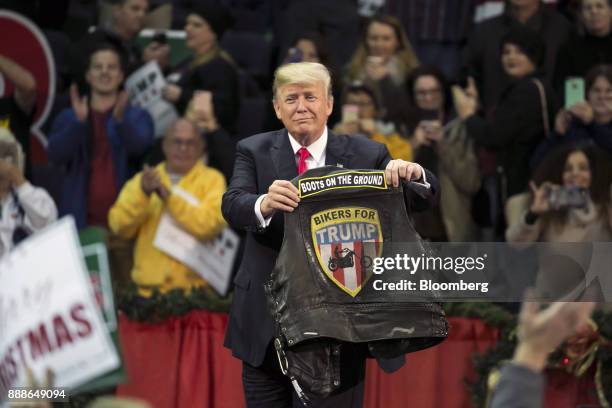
304, 154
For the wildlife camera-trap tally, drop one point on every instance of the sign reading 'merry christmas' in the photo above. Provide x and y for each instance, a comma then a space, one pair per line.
48, 315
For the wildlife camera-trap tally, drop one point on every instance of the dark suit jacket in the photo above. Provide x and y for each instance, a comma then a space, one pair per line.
260, 160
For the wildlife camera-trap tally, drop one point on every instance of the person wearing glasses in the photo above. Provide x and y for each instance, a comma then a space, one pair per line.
181, 187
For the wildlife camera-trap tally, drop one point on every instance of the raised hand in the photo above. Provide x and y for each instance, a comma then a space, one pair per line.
541, 331
583, 111
562, 121
120, 105
12, 173
149, 180
540, 203
80, 104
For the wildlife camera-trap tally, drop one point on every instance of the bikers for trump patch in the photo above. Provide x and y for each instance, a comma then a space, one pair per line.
346, 241
309, 186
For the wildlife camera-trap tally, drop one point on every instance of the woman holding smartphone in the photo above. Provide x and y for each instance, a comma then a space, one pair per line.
587, 121
552, 214
383, 60
591, 46
440, 140
361, 117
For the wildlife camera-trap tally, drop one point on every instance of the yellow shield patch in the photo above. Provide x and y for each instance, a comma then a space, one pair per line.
346, 241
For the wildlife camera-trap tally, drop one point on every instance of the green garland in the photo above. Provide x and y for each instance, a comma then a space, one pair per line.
499, 318
175, 302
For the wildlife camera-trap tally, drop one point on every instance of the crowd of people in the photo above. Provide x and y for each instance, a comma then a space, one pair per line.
509, 113
503, 103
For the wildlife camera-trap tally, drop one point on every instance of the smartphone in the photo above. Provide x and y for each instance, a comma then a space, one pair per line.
428, 114
294, 55
350, 113
202, 102
566, 197
574, 91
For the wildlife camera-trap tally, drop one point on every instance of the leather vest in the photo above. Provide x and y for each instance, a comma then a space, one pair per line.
321, 286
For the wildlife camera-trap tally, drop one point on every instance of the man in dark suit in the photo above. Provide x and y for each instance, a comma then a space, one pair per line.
259, 193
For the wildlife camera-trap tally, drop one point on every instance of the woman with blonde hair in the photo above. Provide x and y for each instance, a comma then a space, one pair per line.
383, 60
23, 207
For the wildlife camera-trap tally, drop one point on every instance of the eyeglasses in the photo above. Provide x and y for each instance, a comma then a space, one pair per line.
179, 144
361, 104
426, 92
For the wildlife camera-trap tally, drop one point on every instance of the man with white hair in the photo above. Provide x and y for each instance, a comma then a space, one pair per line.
23, 207
258, 195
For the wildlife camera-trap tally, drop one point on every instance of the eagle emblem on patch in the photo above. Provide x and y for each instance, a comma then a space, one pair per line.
346, 241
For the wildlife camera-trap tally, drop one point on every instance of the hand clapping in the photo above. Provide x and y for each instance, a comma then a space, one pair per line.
151, 183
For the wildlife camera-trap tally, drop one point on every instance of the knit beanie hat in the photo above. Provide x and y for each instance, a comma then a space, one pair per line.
528, 41
218, 18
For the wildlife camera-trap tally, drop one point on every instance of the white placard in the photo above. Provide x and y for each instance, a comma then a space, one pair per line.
48, 315
145, 89
212, 260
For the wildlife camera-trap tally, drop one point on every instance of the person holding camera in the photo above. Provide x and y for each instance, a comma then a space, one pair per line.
570, 199
383, 60
23, 207
587, 121
442, 143
361, 117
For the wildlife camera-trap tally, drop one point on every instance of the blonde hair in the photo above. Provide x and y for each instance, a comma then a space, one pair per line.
404, 51
301, 73
7, 141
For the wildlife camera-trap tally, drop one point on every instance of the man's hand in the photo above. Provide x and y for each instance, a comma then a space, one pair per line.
282, 196
80, 104
541, 331
120, 105
398, 169
11, 172
149, 180
162, 191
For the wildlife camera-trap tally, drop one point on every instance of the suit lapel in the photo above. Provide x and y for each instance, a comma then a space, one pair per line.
283, 158
336, 152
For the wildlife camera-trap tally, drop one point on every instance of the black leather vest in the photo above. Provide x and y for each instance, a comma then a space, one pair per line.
321, 286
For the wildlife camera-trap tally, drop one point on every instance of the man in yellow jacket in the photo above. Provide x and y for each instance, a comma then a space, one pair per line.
182, 187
